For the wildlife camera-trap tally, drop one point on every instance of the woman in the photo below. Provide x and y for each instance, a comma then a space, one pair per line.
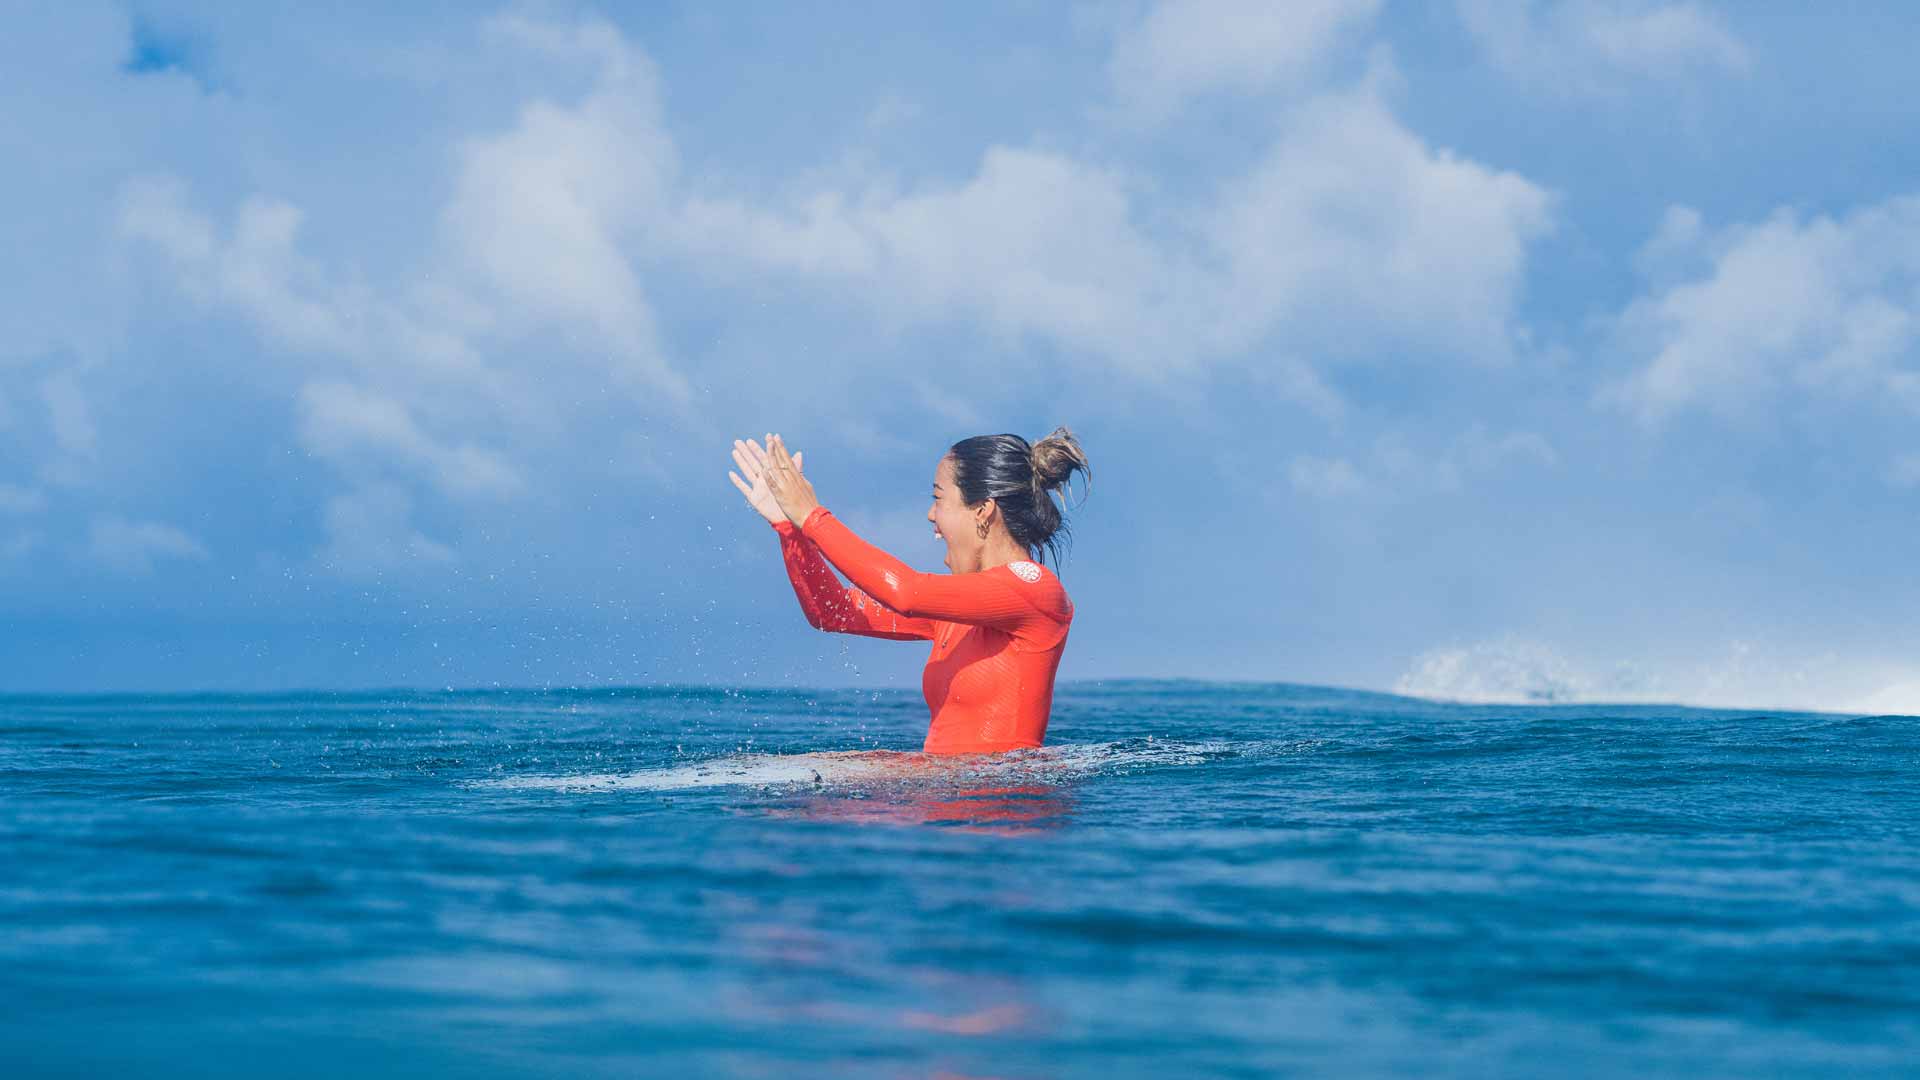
998, 622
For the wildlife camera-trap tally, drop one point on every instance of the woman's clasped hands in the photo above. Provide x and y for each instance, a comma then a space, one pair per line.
771, 480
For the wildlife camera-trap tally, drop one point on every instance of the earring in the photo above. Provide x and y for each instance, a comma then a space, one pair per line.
981, 528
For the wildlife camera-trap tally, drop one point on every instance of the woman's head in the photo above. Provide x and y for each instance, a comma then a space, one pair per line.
1002, 483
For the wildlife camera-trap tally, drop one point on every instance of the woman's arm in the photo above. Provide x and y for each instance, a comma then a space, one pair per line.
827, 604
982, 599
832, 606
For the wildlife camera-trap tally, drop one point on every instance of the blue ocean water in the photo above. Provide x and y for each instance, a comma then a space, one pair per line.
1192, 879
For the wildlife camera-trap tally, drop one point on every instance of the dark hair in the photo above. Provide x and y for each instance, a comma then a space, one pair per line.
1020, 478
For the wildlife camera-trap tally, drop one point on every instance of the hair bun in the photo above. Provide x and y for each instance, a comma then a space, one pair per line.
1055, 459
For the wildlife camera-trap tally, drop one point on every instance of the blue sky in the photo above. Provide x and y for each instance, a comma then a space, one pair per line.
1487, 349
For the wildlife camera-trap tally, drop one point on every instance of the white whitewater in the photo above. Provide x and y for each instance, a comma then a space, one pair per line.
1051, 764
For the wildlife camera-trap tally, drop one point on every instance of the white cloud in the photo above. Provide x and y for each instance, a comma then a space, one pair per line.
1593, 47
424, 334
68, 414
547, 213
1820, 306
1325, 478
132, 547
370, 531
1654, 39
253, 269
949, 406
440, 341
1292, 379
1354, 226
1480, 450
1397, 467
341, 422
1034, 243
1905, 472
1447, 469
529, 306
1414, 471
1675, 249
1351, 230
418, 338
415, 347
1185, 48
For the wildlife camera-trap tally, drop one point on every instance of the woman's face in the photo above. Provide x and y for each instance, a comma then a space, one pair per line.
951, 519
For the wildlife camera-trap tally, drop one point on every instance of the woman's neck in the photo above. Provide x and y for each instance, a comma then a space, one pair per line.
1000, 550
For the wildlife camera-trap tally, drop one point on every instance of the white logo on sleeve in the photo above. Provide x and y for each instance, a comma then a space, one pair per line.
1025, 571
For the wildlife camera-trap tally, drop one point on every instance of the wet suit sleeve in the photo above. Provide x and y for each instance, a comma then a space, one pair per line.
982, 599
832, 606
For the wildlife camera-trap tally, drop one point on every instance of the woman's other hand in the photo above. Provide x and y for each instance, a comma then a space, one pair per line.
751, 458
790, 489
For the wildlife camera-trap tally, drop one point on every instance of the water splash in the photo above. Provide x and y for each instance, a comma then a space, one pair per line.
1051, 764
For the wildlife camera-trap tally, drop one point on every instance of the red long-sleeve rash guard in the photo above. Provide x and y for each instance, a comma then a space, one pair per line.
997, 635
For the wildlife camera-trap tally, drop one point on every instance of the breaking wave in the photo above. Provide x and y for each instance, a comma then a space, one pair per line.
1511, 670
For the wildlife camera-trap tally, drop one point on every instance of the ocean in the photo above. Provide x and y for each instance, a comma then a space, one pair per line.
1191, 879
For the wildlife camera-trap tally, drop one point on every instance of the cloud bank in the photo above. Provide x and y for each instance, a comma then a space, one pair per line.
384, 320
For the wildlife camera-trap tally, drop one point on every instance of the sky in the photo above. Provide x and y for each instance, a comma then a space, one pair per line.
1490, 350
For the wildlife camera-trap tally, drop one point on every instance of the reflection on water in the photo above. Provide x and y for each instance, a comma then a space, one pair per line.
808, 963
1025, 808
988, 1021
801, 948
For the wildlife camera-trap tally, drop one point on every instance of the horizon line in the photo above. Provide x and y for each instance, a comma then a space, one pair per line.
658, 687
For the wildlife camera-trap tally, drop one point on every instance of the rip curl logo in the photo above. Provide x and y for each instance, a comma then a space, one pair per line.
1025, 571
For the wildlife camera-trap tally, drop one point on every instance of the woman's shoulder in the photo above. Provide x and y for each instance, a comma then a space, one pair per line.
1041, 588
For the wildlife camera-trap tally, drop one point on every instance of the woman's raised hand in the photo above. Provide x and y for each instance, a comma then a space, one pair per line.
789, 488
752, 460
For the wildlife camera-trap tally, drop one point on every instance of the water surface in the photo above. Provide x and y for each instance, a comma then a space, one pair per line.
1191, 879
